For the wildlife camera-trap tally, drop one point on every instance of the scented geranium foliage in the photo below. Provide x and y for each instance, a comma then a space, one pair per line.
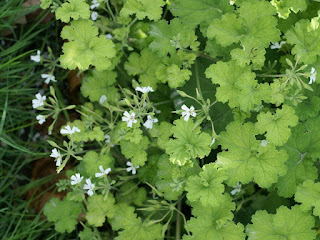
195, 119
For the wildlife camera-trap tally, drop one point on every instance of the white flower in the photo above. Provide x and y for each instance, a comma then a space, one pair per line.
313, 76
188, 112
108, 36
132, 168
129, 118
75, 179
213, 141
89, 186
94, 16
94, 4
107, 137
36, 58
103, 99
277, 45
144, 89
48, 77
39, 101
149, 123
103, 172
68, 130
264, 143
236, 189
56, 154
41, 119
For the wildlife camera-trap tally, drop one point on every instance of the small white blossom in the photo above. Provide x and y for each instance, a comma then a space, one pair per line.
213, 141
144, 89
149, 123
103, 99
89, 186
68, 130
36, 58
188, 112
236, 189
109, 36
264, 143
94, 4
75, 179
313, 76
41, 119
56, 154
129, 118
103, 172
39, 101
94, 16
107, 138
132, 168
48, 77
277, 45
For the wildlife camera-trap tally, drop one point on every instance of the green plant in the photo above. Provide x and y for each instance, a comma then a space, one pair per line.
246, 147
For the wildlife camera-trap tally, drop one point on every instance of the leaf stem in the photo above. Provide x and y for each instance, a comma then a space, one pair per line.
110, 11
267, 75
178, 222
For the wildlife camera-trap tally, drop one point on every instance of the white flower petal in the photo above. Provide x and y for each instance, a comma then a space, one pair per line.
184, 107
103, 99
94, 16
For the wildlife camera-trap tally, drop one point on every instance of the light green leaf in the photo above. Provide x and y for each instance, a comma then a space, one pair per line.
284, 7
277, 125
64, 213
228, 30
132, 226
194, 12
260, 23
170, 37
189, 142
135, 151
130, 193
214, 222
291, 224
96, 84
246, 160
207, 187
305, 41
308, 194
237, 85
75, 9
303, 149
92, 160
171, 178
162, 132
151, 9
255, 21
249, 53
100, 208
85, 47
144, 66
172, 74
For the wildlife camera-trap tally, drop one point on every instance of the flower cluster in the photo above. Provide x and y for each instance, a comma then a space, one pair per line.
69, 130
37, 57
187, 112
89, 186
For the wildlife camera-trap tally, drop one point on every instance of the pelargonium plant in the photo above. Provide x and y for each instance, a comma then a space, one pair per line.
199, 120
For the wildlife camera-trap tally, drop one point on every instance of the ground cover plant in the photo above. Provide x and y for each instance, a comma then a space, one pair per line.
194, 119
